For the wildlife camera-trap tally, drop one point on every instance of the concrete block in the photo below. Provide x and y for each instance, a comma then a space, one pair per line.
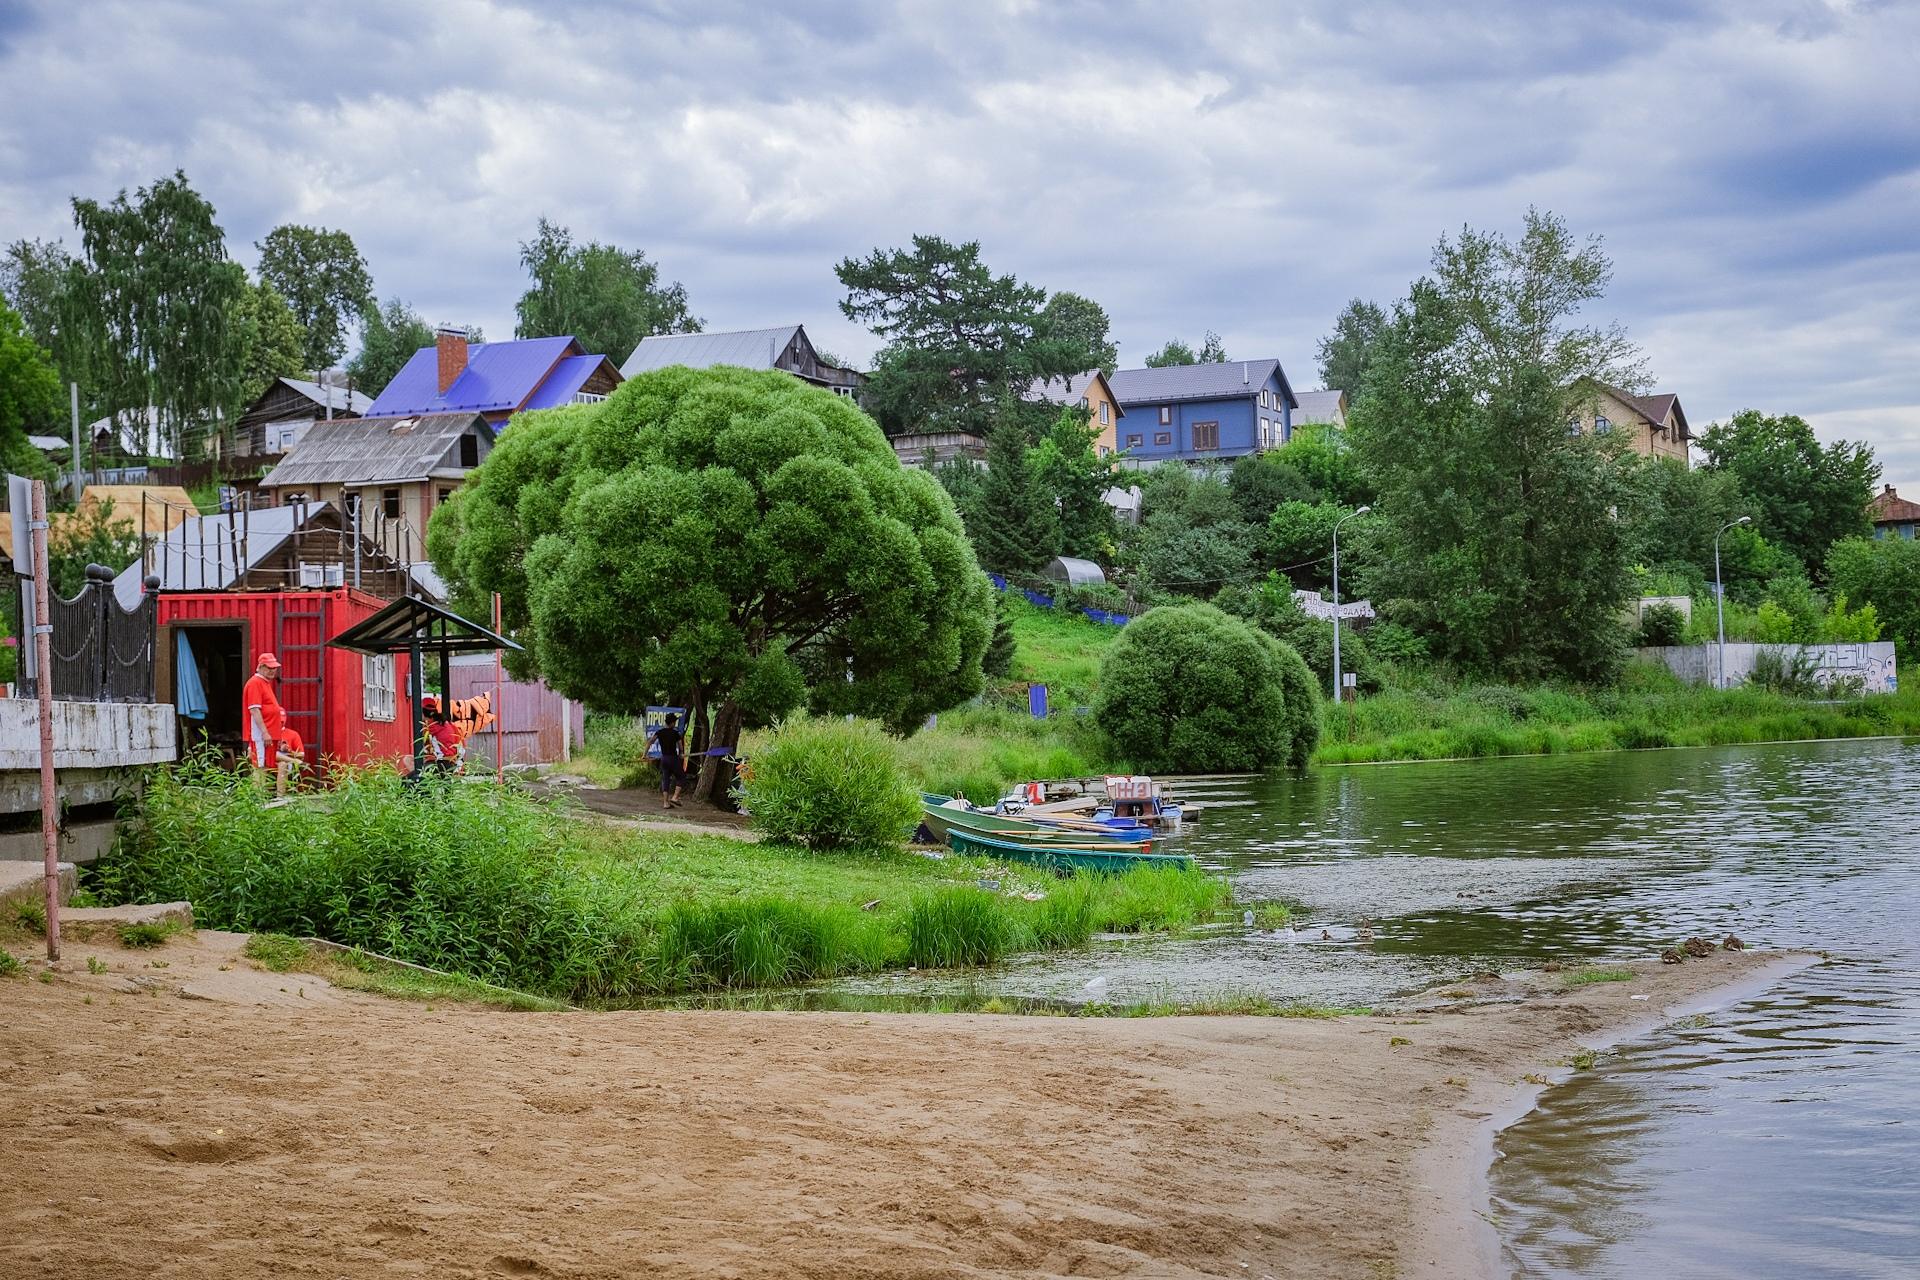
81, 923
79, 842
26, 882
87, 735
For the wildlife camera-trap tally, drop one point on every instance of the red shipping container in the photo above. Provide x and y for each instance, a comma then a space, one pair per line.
325, 691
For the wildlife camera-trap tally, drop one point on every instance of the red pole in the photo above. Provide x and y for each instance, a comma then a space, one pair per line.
43, 658
499, 707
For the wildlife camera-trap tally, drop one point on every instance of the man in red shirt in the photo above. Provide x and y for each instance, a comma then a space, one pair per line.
264, 722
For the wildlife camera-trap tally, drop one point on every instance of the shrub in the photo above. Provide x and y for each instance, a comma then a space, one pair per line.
1662, 625
1885, 573
950, 928
1394, 642
830, 784
1189, 688
1773, 624
1859, 627
1789, 672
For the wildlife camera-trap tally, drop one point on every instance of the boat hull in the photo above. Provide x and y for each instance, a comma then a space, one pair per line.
1063, 857
940, 820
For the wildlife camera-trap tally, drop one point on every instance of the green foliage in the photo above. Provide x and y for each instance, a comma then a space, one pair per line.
1771, 625
1300, 543
830, 784
754, 942
1861, 626
147, 934
1346, 354
1176, 352
1014, 525
962, 344
1500, 540
607, 297
1587, 977
956, 927
1661, 625
153, 299
30, 399
1080, 324
269, 344
1073, 481
37, 280
1802, 495
1191, 689
9, 964
1324, 458
998, 660
1791, 674
1191, 539
1261, 482
1885, 573
325, 282
1312, 640
698, 523
389, 336
92, 535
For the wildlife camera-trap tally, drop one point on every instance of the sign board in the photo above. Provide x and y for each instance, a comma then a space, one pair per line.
1350, 679
1136, 787
20, 503
654, 720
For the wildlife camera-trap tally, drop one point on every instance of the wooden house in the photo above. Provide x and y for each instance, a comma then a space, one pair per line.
786, 348
275, 422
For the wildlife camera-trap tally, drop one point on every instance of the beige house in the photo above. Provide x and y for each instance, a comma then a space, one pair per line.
398, 470
1654, 426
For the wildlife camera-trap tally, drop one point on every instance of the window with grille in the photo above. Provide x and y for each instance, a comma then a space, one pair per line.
376, 680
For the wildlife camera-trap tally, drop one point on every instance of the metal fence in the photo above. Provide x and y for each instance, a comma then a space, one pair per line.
101, 652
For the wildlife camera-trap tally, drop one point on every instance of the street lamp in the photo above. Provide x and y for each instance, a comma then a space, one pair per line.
1720, 604
1338, 695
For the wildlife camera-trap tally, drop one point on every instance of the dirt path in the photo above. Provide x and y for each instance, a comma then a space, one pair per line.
275, 1128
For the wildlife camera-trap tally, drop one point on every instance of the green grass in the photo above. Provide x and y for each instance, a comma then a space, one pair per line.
151, 933
979, 751
360, 971
496, 887
1060, 650
1587, 977
1427, 716
9, 964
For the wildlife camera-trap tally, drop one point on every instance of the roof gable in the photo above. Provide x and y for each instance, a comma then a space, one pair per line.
747, 348
1888, 507
362, 451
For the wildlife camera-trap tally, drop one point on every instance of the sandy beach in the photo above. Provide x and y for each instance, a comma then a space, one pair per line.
206, 1117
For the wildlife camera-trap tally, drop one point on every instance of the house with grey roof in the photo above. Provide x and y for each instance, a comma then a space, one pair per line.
1203, 412
275, 421
398, 471
787, 348
1325, 407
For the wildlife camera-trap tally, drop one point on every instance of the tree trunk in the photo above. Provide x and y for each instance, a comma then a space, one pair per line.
716, 772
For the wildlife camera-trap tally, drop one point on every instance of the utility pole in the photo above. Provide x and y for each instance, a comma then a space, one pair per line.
1720, 605
1339, 691
73, 389
43, 686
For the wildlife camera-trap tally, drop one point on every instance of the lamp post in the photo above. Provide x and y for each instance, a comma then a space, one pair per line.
1720, 605
1339, 694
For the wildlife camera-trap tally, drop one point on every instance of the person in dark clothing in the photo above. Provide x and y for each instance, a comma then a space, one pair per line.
673, 769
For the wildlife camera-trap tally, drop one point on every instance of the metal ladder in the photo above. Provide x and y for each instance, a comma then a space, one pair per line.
315, 740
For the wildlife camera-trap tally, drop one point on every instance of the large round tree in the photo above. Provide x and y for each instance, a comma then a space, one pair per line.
1190, 688
739, 540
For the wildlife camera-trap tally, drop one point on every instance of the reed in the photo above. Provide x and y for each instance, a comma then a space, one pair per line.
957, 927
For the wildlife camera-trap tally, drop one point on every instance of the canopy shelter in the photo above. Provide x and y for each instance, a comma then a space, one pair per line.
417, 627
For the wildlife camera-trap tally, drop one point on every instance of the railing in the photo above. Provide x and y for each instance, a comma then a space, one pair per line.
101, 652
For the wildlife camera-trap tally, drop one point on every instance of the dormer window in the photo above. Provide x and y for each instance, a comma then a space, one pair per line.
469, 450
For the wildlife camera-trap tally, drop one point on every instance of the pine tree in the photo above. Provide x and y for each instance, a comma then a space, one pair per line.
998, 661
1017, 529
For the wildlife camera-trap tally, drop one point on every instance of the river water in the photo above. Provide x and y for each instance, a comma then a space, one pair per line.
1774, 1138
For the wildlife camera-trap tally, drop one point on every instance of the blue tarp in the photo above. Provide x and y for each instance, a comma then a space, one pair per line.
189, 695
1039, 601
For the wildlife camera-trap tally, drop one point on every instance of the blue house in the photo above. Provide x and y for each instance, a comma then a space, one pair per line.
1201, 412
495, 379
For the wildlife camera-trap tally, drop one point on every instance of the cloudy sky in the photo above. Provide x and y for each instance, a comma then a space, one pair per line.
1753, 165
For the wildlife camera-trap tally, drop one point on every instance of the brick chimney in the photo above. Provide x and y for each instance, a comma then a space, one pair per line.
451, 345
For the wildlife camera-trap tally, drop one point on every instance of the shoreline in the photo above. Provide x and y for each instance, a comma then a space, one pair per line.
218, 1114
1605, 751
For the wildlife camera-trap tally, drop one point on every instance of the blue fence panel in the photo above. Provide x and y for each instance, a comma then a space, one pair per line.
1037, 701
1036, 599
999, 583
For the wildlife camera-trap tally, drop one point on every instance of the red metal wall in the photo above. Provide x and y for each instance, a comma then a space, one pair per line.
320, 687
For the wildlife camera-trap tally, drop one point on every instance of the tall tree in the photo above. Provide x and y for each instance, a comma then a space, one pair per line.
1499, 533
1074, 480
732, 536
325, 283
1803, 496
30, 399
37, 280
962, 344
607, 297
389, 336
1346, 353
1080, 324
1212, 351
154, 297
1015, 527
270, 345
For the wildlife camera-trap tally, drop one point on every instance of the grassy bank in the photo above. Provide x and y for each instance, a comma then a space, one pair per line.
496, 887
1426, 716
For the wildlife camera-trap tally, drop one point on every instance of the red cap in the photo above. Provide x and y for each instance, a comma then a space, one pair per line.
267, 660
428, 700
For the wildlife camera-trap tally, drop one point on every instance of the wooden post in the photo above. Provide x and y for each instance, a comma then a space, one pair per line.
43, 656
499, 709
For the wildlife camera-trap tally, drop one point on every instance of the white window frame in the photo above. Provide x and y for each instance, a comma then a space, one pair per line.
587, 397
312, 574
377, 686
1166, 415
1105, 408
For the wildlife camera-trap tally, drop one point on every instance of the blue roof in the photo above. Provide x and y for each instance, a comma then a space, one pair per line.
499, 378
568, 377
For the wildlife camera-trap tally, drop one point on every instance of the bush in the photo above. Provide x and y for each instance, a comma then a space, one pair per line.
1784, 672
1662, 625
1098, 595
1862, 626
954, 927
1190, 688
1885, 573
830, 784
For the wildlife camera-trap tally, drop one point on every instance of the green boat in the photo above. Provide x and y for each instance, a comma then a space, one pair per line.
1063, 856
942, 817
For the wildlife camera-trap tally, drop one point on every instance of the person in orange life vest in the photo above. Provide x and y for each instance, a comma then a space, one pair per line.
442, 739
265, 722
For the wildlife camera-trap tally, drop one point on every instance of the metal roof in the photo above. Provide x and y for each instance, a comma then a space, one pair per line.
498, 378
1321, 406
1067, 390
357, 451
1223, 381
748, 348
396, 628
210, 553
344, 399
566, 379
